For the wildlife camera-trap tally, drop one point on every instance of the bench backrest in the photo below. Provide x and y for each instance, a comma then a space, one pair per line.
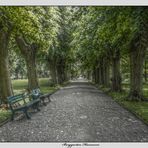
16, 101
16, 98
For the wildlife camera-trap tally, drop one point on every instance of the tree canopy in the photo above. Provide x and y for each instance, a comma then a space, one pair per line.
105, 44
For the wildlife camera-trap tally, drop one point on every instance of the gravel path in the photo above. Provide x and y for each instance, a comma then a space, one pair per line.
78, 112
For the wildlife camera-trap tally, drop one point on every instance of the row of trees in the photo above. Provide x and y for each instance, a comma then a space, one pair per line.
59, 62
102, 42
105, 38
32, 37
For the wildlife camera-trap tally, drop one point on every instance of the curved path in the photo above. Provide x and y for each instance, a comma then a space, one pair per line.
78, 112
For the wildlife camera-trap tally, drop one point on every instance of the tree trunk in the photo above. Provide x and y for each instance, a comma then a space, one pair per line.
59, 74
102, 65
106, 74
116, 76
16, 75
101, 73
136, 70
89, 75
64, 71
32, 73
21, 76
61, 71
29, 53
97, 75
93, 75
5, 81
53, 71
145, 71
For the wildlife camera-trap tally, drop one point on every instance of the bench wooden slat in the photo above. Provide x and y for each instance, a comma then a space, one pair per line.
19, 103
15, 98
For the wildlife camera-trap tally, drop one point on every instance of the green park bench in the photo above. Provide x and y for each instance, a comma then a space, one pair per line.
36, 93
22, 102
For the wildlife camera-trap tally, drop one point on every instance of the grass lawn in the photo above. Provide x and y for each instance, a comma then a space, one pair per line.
140, 109
4, 115
19, 86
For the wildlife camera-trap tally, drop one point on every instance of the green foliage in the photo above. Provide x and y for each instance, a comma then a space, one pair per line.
17, 65
61, 52
20, 86
36, 24
74, 38
138, 108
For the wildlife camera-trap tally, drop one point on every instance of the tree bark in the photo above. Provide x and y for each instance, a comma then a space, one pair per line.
66, 71
53, 71
61, 71
106, 74
5, 81
137, 54
29, 54
145, 71
31, 73
102, 68
100, 73
59, 74
93, 75
103, 73
89, 75
136, 72
116, 75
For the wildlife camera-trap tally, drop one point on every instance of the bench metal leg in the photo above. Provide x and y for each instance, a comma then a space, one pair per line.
38, 109
36, 106
27, 114
12, 116
49, 99
44, 102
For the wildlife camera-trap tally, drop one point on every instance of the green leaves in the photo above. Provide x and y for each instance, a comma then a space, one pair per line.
36, 24
102, 30
86, 33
